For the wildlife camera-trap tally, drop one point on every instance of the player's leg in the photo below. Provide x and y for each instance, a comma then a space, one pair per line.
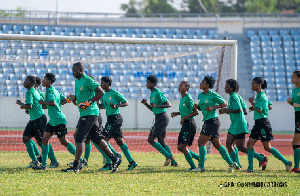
87, 149
120, 141
162, 142
188, 156
109, 131
250, 146
36, 151
28, 133
296, 148
277, 154
222, 150
296, 143
230, 148
203, 139
45, 151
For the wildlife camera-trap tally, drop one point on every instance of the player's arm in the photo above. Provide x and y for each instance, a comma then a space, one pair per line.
23, 105
98, 95
144, 101
173, 114
164, 105
197, 107
296, 105
119, 105
290, 101
63, 102
50, 103
191, 115
211, 108
227, 111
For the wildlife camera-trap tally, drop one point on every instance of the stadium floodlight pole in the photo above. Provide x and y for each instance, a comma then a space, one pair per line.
123, 40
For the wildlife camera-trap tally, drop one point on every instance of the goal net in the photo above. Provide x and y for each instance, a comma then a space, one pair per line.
129, 61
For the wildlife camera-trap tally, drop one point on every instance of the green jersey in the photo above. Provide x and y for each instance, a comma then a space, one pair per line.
296, 97
114, 97
186, 106
41, 94
55, 114
244, 107
85, 90
238, 121
158, 98
32, 98
210, 99
261, 103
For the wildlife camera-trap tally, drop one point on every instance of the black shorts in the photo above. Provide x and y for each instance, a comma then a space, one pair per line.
88, 127
297, 122
240, 136
59, 130
36, 128
159, 129
113, 127
211, 128
187, 132
262, 130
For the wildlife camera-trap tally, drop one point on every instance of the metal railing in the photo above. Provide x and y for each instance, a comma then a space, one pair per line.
158, 19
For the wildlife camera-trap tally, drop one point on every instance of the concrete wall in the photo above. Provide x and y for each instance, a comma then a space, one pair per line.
138, 116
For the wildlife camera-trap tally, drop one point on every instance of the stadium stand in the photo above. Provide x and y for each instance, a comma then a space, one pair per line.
275, 54
128, 74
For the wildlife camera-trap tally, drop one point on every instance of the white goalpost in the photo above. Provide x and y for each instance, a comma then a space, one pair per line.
128, 61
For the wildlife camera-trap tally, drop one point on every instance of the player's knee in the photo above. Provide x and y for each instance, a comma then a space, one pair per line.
267, 148
87, 141
179, 148
26, 139
64, 142
249, 145
44, 141
151, 141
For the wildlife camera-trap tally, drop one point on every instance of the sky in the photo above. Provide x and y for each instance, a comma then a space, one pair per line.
99, 6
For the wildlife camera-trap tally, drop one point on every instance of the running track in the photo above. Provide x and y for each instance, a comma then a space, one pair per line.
11, 140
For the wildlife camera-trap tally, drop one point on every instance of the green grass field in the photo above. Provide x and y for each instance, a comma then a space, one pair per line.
149, 178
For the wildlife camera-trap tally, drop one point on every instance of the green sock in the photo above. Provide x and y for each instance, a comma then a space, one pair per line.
259, 157
194, 155
279, 156
161, 149
71, 148
108, 161
250, 158
237, 157
111, 148
222, 150
35, 148
30, 151
189, 159
167, 148
45, 151
51, 154
87, 151
297, 157
233, 156
202, 155
126, 152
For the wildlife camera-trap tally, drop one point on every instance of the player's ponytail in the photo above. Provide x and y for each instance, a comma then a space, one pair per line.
264, 84
261, 81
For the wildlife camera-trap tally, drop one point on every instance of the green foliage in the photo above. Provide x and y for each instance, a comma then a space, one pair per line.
149, 177
261, 6
212, 6
19, 13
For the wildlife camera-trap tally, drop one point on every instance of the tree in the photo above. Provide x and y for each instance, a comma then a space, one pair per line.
149, 6
261, 6
20, 13
131, 7
193, 6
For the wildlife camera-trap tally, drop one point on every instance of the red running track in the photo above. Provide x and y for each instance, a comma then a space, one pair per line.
11, 140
